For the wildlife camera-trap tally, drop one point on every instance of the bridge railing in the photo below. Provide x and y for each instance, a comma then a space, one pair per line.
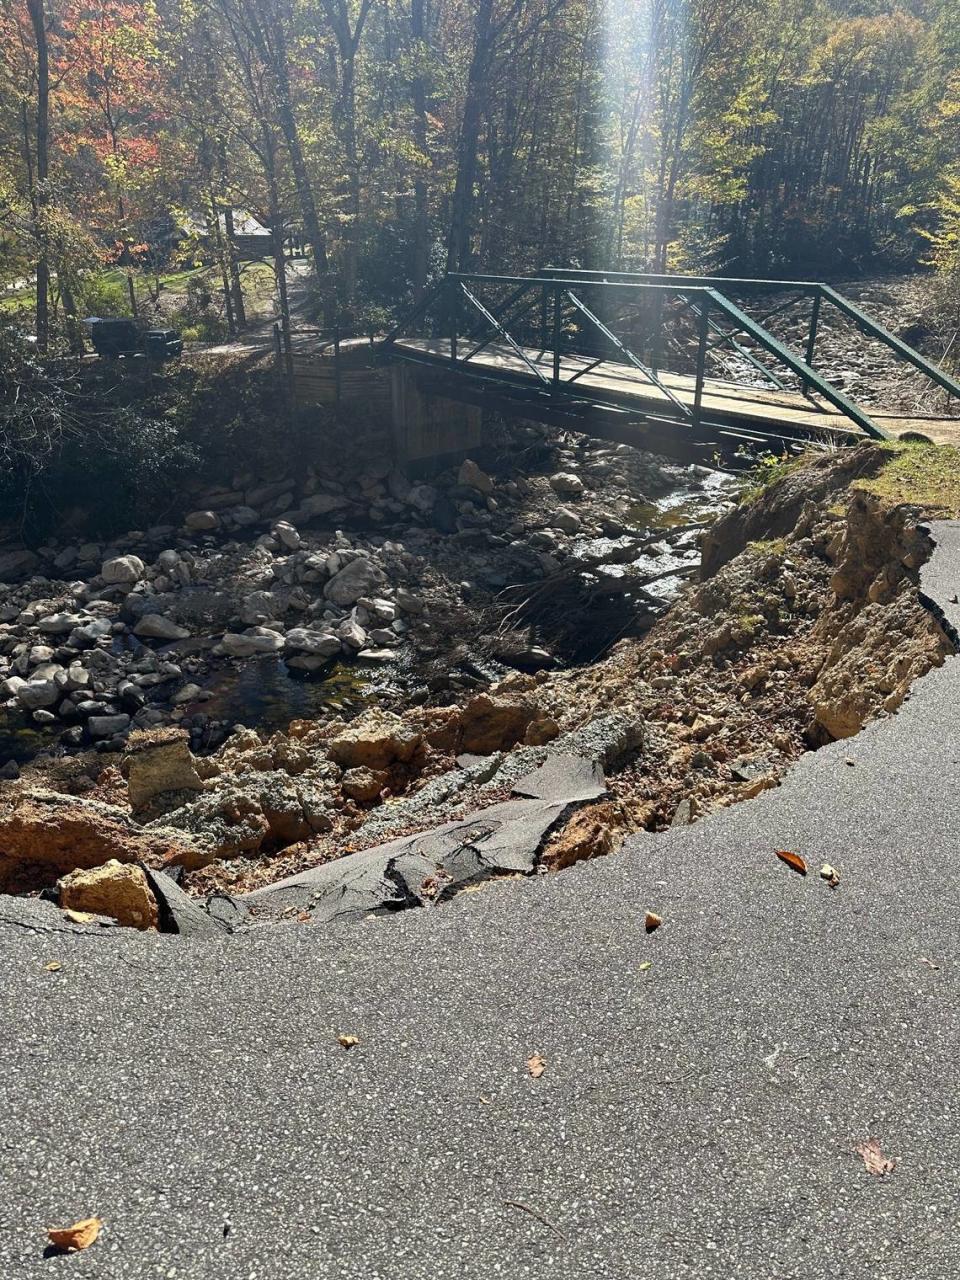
815, 291
558, 327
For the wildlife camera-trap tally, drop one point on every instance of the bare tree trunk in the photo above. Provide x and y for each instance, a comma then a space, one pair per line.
421, 224
233, 268
461, 215
40, 195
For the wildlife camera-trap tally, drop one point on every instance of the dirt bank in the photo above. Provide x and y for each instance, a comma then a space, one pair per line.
806, 624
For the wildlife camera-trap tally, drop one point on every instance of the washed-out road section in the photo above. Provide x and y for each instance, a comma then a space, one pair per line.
696, 1118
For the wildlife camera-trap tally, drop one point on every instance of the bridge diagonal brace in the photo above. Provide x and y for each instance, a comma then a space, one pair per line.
874, 330
726, 338
508, 313
785, 356
511, 342
628, 354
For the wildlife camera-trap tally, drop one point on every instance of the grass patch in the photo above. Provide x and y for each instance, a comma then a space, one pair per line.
920, 475
770, 547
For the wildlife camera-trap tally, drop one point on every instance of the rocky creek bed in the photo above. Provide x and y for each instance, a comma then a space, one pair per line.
536, 704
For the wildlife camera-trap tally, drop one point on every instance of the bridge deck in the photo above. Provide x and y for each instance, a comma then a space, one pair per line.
728, 402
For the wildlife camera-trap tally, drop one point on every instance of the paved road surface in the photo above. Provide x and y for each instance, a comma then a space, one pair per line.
695, 1119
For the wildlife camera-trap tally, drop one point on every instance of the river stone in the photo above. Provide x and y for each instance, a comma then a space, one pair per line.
566, 484
15, 564
55, 624
86, 637
37, 694
154, 626
360, 577
475, 478
285, 532
122, 570
254, 640
107, 726
315, 643
201, 521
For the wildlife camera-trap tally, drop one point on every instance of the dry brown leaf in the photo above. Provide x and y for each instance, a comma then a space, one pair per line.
78, 917
830, 874
652, 921
347, 1042
53, 966
873, 1158
536, 1066
793, 861
80, 1236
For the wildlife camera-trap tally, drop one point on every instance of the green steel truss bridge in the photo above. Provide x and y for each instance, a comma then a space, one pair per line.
694, 362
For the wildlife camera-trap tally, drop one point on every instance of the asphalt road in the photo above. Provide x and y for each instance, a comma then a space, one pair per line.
696, 1118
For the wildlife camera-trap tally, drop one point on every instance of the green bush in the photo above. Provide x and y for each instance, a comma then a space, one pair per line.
100, 296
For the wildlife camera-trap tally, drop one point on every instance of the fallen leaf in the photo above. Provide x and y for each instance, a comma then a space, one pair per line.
78, 917
652, 921
830, 874
486, 1101
80, 1236
347, 1042
53, 966
304, 917
931, 964
873, 1158
536, 1066
647, 964
793, 861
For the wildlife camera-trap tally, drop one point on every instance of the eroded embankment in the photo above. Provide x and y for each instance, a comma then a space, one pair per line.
808, 623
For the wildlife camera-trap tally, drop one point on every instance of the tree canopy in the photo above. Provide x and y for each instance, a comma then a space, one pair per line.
402, 137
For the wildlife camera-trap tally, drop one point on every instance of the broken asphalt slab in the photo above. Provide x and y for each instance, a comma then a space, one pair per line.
409, 871
696, 1118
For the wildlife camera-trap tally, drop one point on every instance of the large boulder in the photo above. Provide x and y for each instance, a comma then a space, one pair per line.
375, 740
115, 889
122, 570
44, 834
157, 762
17, 563
360, 577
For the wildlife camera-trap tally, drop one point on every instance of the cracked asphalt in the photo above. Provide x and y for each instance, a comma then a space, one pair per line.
696, 1118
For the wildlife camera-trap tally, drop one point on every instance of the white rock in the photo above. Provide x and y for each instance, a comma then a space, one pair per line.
122, 570
472, 476
360, 577
565, 482
287, 534
254, 640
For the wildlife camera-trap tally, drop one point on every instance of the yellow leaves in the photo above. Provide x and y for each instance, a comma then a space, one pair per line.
78, 917
536, 1065
651, 921
347, 1042
53, 967
647, 964
793, 861
80, 1236
874, 1160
